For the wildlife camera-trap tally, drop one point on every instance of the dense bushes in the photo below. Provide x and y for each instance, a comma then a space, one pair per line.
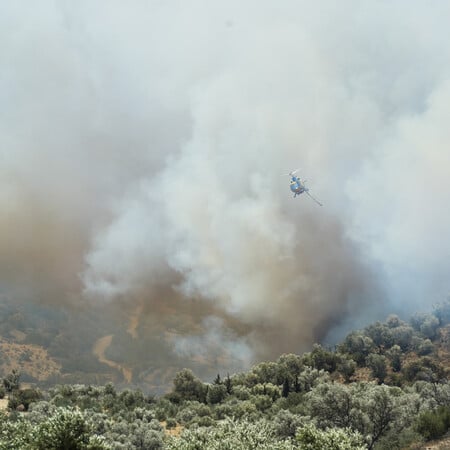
231, 435
23, 398
434, 424
311, 438
324, 413
381, 389
64, 429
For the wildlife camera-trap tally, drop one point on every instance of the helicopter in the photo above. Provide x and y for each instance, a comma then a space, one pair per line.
298, 186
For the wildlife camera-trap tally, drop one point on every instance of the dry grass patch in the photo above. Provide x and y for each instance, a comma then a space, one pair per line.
31, 359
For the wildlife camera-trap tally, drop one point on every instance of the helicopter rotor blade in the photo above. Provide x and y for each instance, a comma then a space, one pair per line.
317, 201
291, 173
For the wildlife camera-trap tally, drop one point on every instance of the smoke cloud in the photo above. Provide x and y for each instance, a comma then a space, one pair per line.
142, 153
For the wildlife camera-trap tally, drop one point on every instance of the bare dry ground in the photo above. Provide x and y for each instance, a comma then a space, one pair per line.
441, 444
29, 358
176, 431
3, 404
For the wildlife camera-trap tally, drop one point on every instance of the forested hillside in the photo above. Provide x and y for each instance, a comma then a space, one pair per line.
384, 387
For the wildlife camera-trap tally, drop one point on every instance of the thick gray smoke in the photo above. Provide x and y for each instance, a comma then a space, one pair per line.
142, 147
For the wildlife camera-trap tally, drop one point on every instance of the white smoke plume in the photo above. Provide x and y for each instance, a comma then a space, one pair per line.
142, 147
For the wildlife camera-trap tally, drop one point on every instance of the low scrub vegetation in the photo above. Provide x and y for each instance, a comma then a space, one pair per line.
384, 387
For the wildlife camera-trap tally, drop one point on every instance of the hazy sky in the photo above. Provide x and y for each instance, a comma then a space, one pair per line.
142, 147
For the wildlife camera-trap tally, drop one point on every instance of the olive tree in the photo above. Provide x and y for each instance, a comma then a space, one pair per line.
189, 387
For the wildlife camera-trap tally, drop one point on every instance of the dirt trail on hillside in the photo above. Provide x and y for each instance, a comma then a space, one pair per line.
102, 344
99, 349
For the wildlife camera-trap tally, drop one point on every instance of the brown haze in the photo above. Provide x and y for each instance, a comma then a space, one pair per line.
142, 152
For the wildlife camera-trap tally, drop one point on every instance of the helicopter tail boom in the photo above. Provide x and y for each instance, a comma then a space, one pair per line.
317, 201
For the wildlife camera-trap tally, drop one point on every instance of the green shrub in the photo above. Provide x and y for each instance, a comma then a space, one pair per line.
434, 424
189, 387
425, 348
12, 381
223, 410
205, 421
262, 402
377, 364
311, 438
395, 354
216, 393
171, 423
286, 424
230, 435
28, 396
346, 367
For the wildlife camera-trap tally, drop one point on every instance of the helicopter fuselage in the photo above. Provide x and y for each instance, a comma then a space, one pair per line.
297, 186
